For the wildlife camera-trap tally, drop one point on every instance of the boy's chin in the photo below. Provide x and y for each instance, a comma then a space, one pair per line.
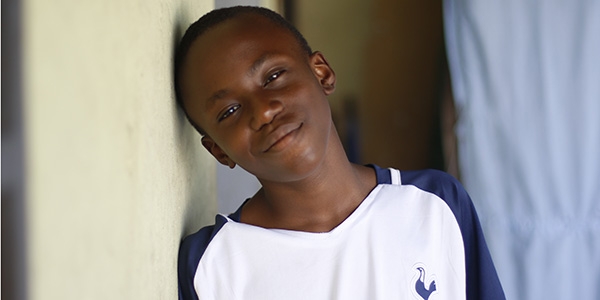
289, 172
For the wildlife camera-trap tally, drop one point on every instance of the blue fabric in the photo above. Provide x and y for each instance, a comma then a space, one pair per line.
525, 78
383, 175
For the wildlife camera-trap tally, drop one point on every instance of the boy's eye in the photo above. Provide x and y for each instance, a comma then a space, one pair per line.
228, 112
273, 77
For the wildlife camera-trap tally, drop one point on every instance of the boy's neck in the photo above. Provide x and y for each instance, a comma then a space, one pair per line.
316, 204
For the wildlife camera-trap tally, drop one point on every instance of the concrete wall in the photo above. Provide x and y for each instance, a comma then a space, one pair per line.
114, 174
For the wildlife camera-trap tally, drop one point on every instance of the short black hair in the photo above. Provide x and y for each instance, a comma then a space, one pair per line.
214, 18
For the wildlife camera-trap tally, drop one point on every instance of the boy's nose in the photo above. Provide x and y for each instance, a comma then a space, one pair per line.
264, 113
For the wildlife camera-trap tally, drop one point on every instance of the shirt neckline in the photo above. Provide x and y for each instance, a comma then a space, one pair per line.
383, 176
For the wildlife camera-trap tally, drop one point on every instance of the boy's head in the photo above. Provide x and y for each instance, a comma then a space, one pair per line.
248, 81
214, 18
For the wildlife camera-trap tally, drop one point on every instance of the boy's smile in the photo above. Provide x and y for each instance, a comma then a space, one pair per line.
279, 138
259, 97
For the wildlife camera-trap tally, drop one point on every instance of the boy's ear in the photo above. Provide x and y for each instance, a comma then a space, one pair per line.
217, 152
323, 72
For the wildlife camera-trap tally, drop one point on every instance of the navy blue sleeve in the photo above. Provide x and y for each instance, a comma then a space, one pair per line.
482, 280
190, 251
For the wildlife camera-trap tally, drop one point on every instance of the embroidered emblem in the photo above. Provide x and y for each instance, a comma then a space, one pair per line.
420, 285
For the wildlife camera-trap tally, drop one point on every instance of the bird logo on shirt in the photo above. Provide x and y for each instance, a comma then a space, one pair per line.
420, 285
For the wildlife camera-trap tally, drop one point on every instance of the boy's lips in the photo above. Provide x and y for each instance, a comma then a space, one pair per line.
279, 138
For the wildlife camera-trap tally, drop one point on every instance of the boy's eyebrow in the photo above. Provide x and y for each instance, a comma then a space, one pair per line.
210, 102
258, 63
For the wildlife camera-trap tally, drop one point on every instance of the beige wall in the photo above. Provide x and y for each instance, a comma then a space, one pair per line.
114, 174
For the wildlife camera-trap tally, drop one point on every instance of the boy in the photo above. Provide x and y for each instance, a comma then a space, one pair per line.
320, 227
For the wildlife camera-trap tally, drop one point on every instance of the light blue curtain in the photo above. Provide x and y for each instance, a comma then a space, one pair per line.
526, 81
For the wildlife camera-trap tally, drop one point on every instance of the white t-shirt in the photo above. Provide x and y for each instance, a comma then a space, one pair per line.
415, 236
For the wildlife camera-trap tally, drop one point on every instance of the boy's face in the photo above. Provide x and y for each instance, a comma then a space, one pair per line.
260, 99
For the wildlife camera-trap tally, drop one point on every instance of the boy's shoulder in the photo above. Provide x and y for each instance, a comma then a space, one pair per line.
482, 279
436, 182
190, 251
446, 188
